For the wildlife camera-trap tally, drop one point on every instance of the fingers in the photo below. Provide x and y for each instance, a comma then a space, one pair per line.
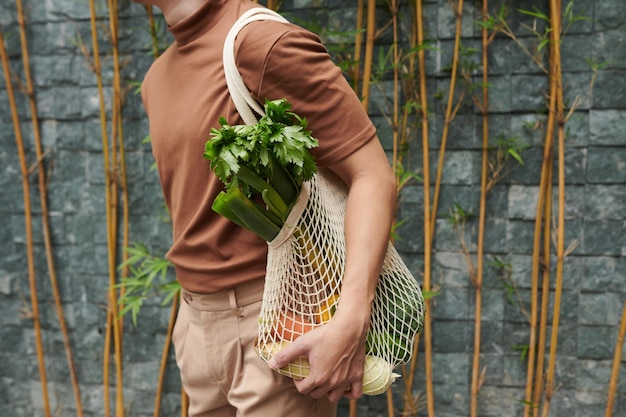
355, 391
287, 355
334, 393
330, 385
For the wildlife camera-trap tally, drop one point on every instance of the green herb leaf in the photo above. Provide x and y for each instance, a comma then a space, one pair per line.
270, 159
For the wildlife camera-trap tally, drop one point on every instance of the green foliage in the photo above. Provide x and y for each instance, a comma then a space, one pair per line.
511, 293
532, 407
147, 278
597, 66
158, 41
506, 148
457, 216
501, 155
280, 135
270, 159
395, 227
430, 294
523, 350
505, 278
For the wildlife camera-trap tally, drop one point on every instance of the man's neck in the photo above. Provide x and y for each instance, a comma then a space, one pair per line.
176, 10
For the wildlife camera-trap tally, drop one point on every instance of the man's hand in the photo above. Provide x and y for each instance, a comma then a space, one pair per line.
336, 354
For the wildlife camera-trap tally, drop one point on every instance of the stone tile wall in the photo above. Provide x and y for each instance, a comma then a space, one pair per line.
594, 272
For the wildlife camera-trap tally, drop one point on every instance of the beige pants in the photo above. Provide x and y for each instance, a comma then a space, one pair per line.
214, 340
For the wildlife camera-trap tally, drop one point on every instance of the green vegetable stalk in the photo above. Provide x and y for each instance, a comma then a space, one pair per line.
269, 160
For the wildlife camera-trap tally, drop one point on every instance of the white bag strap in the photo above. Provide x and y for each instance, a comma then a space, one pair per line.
244, 102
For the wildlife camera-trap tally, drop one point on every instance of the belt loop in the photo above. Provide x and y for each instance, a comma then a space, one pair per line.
232, 298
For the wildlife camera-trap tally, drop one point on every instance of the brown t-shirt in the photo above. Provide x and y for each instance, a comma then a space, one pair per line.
185, 93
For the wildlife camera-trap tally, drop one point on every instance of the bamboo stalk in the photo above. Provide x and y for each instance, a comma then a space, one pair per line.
164, 356
353, 408
450, 112
410, 407
556, 79
274, 4
428, 353
185, 404
389, 398
32, 281
108, 198
122, 176
369, 52
358, 43
152, 30
545, 291
43, 197
536, 260
395, 158
617, 359
531, 402
116, 175
396, 97
174, 309
475, 386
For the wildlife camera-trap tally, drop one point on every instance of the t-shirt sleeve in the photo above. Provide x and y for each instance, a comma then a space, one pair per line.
279, 61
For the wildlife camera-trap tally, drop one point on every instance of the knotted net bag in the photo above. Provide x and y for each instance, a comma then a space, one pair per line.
306, 262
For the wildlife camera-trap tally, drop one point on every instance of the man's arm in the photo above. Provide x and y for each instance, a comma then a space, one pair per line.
336, 351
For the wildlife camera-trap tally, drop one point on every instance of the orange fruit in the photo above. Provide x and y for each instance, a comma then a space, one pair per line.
290, 326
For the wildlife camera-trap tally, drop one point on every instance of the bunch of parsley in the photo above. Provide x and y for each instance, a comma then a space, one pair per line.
268, 160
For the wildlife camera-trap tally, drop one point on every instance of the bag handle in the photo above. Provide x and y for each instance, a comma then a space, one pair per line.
244, 102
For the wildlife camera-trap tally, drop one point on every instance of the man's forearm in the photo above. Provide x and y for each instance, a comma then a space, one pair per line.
369, 213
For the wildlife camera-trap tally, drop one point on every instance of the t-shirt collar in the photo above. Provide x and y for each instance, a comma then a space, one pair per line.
199, 22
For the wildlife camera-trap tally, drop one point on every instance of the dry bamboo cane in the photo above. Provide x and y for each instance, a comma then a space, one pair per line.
153, 34
120, 169
369, 52
478, 284
389, 398
394, 159
556, 78
164, 356
105, 151
185, 404
116, 174
274, 4
617, 358
396, 59
545, 291
544, 198
428, 353
358, 42
536, 260
449, 116
174, 310
32, 281
43, 197
410, 408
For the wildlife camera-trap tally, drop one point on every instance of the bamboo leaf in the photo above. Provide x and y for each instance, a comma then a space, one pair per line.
535, 13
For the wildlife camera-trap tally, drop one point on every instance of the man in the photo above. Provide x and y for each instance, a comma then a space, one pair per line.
221, 266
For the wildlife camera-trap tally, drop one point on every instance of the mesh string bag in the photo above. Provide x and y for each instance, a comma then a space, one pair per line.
306, 262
